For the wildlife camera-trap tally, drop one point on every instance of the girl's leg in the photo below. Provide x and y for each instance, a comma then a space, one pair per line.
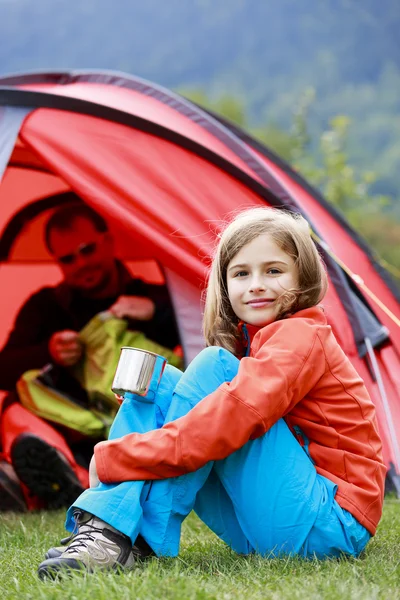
268, 493
262, 494
170, 500
216, 509
274, 489
266, 497
113, 502
335, 530
281, 504
157, 509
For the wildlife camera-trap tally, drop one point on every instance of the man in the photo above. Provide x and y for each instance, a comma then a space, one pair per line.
46, 330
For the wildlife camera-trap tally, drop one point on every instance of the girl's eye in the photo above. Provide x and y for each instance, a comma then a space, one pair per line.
241, 274
273, 271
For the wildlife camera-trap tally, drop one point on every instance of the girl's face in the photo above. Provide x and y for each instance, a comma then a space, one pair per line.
258, 274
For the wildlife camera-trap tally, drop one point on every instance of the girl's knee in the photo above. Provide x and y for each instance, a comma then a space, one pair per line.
215, 359
171, 376
214, 353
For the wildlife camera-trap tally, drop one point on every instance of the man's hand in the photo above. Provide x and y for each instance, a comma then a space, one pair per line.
65, 347
93, 477
133, 307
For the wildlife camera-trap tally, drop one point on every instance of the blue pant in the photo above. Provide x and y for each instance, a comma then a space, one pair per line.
266, 497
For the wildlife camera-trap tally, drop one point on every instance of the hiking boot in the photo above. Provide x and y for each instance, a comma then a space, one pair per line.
56, 551
11, 496
96, 545
45, 471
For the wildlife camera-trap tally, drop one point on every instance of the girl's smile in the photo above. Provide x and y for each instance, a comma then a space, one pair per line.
256, 277
261, 302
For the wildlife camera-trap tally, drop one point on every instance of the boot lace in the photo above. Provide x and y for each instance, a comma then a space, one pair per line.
81, 539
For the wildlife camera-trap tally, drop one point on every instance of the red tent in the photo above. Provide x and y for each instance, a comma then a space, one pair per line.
164, 173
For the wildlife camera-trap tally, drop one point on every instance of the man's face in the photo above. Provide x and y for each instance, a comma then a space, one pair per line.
85, 256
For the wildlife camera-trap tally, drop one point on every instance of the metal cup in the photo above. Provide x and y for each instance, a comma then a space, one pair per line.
138, 372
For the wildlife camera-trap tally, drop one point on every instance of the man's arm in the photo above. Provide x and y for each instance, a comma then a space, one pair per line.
27, 344
161, 328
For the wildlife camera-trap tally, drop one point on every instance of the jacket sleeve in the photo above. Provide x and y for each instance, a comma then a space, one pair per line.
266, 387
26, 347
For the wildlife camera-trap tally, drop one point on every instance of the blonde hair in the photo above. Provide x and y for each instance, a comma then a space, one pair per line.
292, 234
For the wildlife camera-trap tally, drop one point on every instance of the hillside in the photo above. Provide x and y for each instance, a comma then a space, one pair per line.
264, 52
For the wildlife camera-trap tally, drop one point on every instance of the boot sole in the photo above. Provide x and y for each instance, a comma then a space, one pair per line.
55, 568
67, 566
39, 466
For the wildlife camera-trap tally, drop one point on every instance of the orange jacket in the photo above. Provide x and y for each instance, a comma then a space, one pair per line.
296, 370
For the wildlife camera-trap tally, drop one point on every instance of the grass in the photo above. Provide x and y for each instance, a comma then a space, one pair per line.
205, 569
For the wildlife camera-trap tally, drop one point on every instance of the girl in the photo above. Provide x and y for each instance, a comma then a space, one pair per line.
269, 435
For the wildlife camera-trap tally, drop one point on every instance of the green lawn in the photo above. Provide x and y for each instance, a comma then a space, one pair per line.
206, 569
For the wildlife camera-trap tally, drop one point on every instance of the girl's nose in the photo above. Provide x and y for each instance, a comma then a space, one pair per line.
257, 284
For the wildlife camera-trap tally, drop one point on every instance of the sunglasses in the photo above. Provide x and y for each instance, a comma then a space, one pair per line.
83, 250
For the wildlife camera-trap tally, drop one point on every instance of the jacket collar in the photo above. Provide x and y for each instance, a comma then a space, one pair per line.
247, 331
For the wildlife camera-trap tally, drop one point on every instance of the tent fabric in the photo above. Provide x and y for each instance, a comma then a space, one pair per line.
316, 196
274, 178
165, 174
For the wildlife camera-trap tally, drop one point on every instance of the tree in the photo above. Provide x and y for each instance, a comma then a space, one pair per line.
347, 188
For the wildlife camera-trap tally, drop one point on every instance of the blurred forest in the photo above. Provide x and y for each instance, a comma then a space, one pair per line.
317, 80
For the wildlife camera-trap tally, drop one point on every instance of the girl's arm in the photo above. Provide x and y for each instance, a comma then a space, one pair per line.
285, 368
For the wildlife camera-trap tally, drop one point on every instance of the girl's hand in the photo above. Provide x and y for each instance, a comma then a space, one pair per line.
93, 477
